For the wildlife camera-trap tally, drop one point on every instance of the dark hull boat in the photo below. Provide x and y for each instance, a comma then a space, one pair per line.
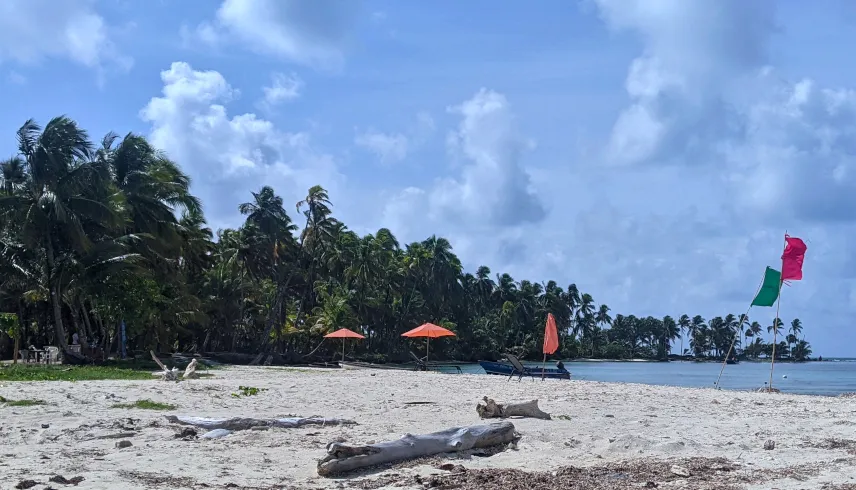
506, 369
732, 361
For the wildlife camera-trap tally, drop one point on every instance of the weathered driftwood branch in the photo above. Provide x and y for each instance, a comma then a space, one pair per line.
491, 409
166, 374
342, 458
238, 423
190, 371
172, 374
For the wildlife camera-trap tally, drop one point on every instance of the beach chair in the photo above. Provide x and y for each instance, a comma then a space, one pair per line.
518, 368
420, 364
52, 355
423, 365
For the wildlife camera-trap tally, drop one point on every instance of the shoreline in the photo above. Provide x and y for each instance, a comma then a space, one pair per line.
594, 423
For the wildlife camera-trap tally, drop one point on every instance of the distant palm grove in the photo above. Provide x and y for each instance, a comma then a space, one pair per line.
93, 235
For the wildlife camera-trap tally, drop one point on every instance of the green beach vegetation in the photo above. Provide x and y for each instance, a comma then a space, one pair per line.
145, 405
20, 403
96, 234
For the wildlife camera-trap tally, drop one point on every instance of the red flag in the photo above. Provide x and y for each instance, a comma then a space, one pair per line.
551, 335
792, 259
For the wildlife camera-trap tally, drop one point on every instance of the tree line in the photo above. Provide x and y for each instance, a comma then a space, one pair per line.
96, 235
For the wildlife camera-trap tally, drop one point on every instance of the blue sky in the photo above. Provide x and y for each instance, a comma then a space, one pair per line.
652, 151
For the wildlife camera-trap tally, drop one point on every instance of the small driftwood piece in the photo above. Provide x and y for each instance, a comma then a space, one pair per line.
166, 374
491, 409
238, 423
343, 458
190, 371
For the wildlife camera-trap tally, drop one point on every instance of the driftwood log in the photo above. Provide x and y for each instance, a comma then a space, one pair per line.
342, 458
190, 371
239, 423
166, 374
491, 409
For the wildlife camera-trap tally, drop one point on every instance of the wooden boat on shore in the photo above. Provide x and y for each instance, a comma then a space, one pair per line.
356, 365
506, 369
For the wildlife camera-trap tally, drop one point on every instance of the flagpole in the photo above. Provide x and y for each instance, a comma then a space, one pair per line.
742, 319
725, 361
776, 320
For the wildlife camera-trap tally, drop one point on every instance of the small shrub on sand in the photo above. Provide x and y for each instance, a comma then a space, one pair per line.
248, 391
146, 405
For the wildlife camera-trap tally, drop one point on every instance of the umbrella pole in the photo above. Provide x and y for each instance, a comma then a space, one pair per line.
343, 350
427, 351
543, 367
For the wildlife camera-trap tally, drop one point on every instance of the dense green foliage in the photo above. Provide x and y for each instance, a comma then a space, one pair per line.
91, 236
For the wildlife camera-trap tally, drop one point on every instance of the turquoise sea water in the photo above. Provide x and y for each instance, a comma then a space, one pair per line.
829, 378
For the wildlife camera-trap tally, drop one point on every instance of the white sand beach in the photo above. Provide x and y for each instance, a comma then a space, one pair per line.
593, 424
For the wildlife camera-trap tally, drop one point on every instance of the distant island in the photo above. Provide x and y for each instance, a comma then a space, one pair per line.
105, 248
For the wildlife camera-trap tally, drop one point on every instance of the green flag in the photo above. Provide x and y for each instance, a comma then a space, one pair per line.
769, 289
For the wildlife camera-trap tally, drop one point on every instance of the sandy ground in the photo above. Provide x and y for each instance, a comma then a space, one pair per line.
594, 424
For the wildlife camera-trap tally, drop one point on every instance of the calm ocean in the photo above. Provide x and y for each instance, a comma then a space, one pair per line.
829, 378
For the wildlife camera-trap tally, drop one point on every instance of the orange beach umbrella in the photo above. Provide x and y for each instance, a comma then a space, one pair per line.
429, 331
551, 340
551, 335
343, 333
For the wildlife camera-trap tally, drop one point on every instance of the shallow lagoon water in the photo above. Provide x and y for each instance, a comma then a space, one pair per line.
829, 378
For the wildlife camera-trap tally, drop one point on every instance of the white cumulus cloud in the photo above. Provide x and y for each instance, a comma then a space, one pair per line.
34, 30
389, 148
229, 156
309, 32
283, 88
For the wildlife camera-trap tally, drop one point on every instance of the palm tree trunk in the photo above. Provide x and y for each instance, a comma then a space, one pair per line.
205, 342
56, 297
240, 311
264, 344
87, 324
75, 321
22, 322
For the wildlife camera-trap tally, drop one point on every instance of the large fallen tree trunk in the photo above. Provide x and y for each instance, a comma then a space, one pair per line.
491, 409
342, 458
238, 423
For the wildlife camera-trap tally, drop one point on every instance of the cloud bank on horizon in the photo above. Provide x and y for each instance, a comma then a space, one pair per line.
653, 152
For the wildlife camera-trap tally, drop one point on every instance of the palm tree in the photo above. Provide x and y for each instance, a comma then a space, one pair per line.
58, 203
801, 350
13, 173
795, 330
584, 317
573, 299
777, 326
697, 334
602, 319
754, 330
671, 331
269, 226
684, 326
